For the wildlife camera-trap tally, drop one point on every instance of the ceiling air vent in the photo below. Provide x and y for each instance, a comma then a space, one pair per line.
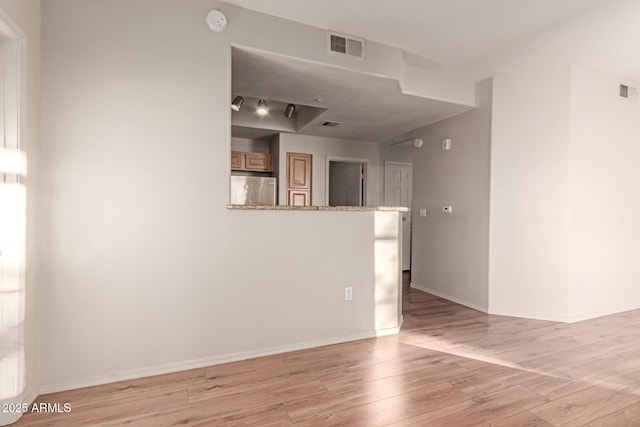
346, 45
330, 124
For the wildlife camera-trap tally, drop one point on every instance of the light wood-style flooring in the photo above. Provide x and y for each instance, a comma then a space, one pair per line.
450, 366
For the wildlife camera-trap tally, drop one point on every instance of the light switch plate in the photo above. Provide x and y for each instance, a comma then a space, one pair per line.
423, 212
348, 293
447, 209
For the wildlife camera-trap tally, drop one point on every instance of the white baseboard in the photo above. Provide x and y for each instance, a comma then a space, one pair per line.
209, 361
563, 319
532, 316
593, 315
390, 331
449, 297
30, 397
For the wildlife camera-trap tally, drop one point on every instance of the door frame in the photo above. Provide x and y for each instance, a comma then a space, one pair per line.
365, 173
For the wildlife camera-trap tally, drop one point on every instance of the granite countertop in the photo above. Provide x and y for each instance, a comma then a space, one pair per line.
318, 208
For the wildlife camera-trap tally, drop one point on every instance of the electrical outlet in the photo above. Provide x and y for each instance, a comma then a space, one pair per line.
423, 212
348, 293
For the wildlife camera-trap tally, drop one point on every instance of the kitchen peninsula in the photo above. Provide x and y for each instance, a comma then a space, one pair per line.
330, 249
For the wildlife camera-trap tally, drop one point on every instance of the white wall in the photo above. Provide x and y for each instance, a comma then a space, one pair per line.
250, 145
604, 230
145, 270
450, 252
26, 15
397, 153
529, 191
541, 175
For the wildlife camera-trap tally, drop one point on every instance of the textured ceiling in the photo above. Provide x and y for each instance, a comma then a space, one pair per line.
452, 33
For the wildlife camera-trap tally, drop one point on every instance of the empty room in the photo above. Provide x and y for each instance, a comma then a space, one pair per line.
306, 212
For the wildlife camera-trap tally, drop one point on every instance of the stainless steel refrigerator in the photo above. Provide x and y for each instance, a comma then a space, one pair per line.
253, 190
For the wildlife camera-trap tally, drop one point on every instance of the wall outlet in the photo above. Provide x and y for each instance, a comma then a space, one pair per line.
348, 293
423, 212
447, 209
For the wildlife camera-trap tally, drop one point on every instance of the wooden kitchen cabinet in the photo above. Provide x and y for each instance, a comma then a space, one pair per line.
257, 162
299, 198
299, 179
254, 162
237, 160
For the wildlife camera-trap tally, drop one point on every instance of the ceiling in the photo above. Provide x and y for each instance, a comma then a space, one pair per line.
369, 108
452, 32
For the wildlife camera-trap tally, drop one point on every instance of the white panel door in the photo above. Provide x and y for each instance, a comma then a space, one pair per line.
398, 186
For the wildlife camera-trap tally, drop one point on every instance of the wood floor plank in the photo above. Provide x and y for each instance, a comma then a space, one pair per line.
493, 378
584, 406
279, 390
479, 410
429, 379
389, 368
629, 416
554, 387
387, 411
522, 419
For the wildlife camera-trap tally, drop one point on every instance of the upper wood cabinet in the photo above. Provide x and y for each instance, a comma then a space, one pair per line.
237, 160
256, 162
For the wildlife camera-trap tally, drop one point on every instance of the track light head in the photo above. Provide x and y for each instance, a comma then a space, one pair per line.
262, 107
288, 112
237, 103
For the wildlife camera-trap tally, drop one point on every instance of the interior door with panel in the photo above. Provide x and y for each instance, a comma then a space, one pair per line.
398, 187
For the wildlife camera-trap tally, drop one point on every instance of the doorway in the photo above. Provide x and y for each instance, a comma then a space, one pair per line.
346, 183
398, 191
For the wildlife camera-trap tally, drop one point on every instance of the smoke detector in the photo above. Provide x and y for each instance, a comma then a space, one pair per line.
216, 21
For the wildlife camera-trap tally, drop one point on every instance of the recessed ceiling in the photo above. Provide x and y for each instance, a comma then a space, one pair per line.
369, 108
452, 32
275, 119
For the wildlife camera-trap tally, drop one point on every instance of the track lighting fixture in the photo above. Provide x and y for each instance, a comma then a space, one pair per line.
237, 103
